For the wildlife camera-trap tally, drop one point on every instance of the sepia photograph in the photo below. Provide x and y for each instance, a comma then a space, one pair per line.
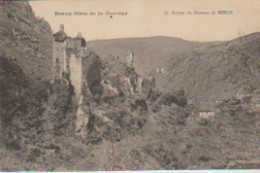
116, 85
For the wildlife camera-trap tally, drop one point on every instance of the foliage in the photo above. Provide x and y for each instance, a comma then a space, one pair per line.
13, 93
93, 76
176, 97
60, 107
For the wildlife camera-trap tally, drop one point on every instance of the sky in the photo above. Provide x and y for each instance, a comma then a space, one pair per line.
147, 18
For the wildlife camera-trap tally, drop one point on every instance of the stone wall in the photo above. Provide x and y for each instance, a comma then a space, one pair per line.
76, 73
59, 55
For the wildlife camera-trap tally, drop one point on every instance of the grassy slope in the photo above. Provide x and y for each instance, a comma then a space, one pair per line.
148, 52
34, 58
216, 71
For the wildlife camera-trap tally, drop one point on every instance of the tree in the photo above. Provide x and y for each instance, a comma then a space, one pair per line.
94, 77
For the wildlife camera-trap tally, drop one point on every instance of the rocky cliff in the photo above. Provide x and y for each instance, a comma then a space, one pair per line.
25, 38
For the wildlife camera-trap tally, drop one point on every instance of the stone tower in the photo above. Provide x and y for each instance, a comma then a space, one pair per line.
68, 57
60, 62
129, 59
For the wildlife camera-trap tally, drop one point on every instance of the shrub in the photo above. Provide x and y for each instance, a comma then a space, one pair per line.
13, 90
94, 76
176, 97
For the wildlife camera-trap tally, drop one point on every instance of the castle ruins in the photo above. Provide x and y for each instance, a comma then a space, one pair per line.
69, 57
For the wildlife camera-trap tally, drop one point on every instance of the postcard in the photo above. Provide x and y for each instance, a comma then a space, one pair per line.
117, 85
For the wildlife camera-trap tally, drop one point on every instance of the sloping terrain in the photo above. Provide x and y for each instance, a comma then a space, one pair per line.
219, 71
148, 52
13, 83
203, 69
26, 39
163, 136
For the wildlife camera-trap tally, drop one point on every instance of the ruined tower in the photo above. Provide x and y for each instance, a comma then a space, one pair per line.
68, 56
129, 59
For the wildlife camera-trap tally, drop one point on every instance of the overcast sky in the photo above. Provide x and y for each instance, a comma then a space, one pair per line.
147, 18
